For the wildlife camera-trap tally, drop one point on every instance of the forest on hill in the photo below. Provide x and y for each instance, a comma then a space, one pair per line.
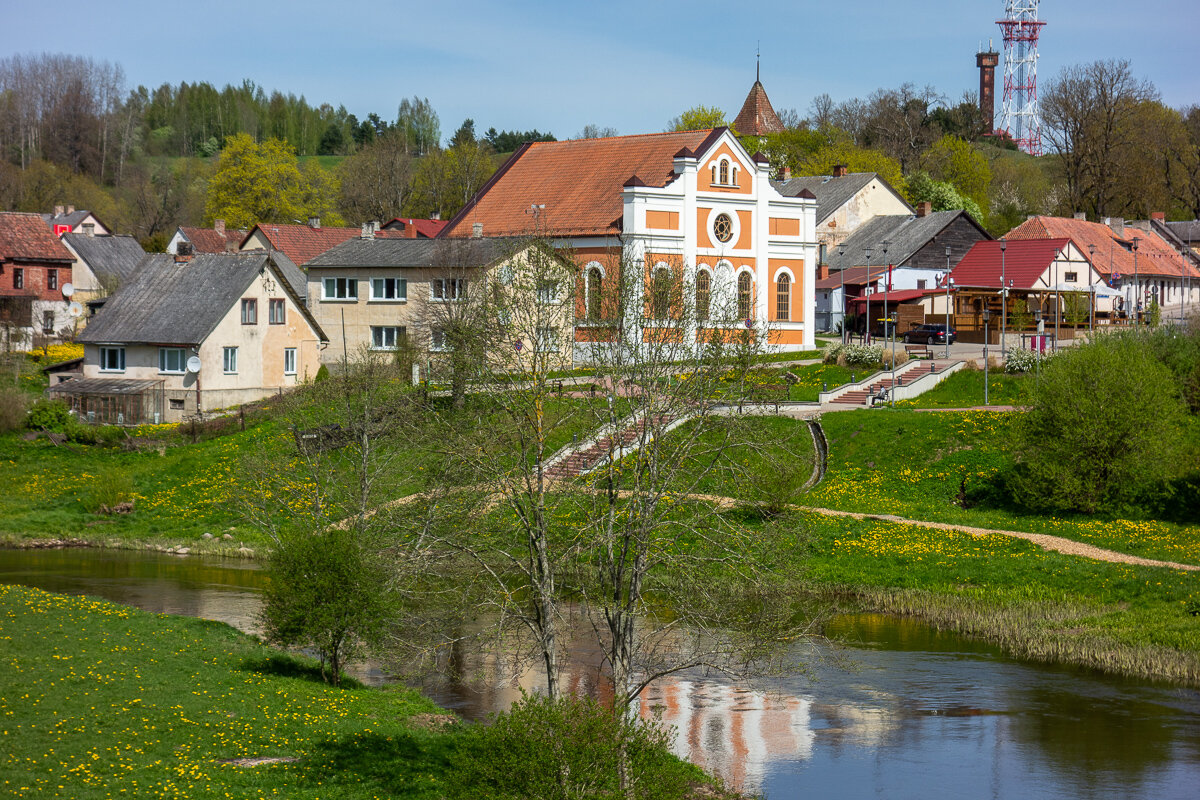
145, 160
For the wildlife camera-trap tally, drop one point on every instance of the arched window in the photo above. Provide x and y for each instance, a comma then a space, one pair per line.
595, 293
714, 172
744, 295
734, 181
783, 298
703, 295
660, 293
724, 172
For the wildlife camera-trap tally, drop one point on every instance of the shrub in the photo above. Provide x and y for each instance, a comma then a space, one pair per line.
322, 374
886, 358
12, 409
1107, 425
1023, 360
853, 355
110, 491
568, 748
49, 415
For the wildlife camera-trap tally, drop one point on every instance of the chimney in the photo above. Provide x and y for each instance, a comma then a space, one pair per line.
1080, 215
89, 229
924, 208
476, 230
410, 229
314, 223
840, 170
785, 174
1161, 216
1117, 224
437, 215
368, 231
822, 271
58, 211
184, 252
219, 226
70, 209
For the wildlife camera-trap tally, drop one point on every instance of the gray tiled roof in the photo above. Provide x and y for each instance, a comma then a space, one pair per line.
1188, 231
904, 234
831, 193
416, 252
118, 256
180, 303
72, 219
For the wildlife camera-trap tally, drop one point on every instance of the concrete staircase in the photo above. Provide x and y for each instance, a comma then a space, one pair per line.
586, 457
862, 393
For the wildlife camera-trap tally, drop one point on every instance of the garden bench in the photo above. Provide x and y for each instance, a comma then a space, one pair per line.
774, 393
918, 351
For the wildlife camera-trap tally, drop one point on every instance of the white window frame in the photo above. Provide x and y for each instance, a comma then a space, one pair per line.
379, 336
547, 340
548, 293
437, 341
229, 360
438, 290
379, 288
345, 290
164, 360
118, 352
289, 361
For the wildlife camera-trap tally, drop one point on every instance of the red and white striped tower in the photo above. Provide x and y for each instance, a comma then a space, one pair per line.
1020, 118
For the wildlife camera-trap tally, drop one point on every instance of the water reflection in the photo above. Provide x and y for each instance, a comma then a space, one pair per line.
922, 712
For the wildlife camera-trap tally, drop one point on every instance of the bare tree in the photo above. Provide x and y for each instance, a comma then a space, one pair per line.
376, 182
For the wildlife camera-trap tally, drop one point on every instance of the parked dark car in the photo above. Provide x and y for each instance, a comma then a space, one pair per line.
930, 334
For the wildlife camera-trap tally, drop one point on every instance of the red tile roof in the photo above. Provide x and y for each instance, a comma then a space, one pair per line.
578, 181
1113, 252
1024, 262
893, 297
851, 276
26, 237
302, 244
757, 117
209, 240
429, 228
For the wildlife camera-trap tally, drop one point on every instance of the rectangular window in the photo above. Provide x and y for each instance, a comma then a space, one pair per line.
920, 284
172, 360
340, 289
389, 289
112, 359
448, 289
276, 311
47, 322
249, 311
437, 340
230, 363
547, 292
289, 361
18, 278
175, 404
387, 337
547, 340
1071, 277
51, 279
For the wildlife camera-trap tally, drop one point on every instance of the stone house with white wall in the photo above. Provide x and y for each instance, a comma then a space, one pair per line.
239, 315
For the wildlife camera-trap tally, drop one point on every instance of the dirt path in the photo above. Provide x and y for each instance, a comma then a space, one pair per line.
1045, 541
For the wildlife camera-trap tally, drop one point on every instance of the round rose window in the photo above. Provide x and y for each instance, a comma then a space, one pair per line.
723, 228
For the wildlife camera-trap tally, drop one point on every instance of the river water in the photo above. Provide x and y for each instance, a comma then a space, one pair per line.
917, 714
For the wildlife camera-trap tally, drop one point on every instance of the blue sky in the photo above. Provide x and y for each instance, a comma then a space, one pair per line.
624, 64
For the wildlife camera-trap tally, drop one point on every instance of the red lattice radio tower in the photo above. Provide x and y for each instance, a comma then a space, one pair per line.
1020, 118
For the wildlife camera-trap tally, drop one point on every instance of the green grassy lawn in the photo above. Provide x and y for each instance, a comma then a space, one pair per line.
964, 389
100, 700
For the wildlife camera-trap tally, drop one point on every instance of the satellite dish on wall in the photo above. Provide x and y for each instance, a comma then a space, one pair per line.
68, 290
193, 364
75, 309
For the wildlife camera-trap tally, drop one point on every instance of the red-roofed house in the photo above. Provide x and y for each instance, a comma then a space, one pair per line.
1041, 274
207, 240
34, 266
303, 243
417, 228
1136, 261
692, 207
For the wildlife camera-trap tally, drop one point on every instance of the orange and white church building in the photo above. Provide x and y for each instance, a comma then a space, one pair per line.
690, 201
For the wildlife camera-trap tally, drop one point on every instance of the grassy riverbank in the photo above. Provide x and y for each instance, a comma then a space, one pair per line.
99, 700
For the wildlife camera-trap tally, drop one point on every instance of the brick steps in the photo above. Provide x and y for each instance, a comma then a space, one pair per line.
859, 397
575, 464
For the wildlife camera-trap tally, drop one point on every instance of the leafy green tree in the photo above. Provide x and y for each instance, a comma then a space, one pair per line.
508, 141
255, 183
942, 194
857, 159
465, 133
1107, 424
698, 118
418, 125
956, 162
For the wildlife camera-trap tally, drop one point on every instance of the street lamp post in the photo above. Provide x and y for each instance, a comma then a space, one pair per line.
867, 283
1057, 304
987, 315
1182, 277
1091, 263
949, 289
1137, 292
842, 274
1003, 302
892, 391
887, 285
